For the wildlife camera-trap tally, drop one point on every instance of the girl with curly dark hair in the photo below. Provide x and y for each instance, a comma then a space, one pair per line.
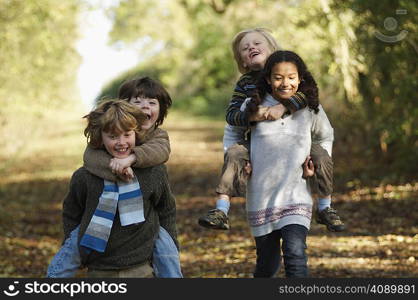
279, 201
307, 84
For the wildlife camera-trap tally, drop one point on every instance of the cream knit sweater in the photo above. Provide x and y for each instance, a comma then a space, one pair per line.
277, 195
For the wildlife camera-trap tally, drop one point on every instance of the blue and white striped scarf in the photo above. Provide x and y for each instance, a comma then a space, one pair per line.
124, 196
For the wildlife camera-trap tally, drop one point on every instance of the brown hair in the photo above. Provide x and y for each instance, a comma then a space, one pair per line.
147, 88
115, 116
240, 35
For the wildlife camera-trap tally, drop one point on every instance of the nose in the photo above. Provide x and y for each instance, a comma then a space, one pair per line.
121, 140
144, 104
285, 82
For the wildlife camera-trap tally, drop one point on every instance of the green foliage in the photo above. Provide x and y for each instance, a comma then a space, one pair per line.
38, 62
385, 81
37, 49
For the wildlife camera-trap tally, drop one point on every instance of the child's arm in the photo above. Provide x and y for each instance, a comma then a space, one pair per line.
74, 203
153, 151
245, 88
97, 162
297, 102
236, 114
166, 205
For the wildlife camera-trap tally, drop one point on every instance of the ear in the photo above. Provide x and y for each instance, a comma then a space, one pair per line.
268, 80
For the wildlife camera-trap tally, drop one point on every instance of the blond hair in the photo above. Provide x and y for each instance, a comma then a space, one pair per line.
113, 116
240, 35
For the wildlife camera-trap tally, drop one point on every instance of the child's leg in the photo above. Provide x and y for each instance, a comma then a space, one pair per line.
322, 184
268, 254
233, 183
67, 260
293, 247
166, 259
324, 171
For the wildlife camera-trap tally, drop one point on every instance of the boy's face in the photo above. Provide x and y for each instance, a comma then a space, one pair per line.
284, 80
119, 145
151, 107
254, 51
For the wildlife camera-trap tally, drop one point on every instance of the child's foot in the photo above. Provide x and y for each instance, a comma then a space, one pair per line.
215, 219
329, 217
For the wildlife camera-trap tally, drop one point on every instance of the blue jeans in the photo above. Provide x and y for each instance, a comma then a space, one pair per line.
166, 261
293, 238
165, 258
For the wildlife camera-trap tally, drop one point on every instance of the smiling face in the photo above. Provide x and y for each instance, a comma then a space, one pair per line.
254, 51
119, 145
149, 106
284, 80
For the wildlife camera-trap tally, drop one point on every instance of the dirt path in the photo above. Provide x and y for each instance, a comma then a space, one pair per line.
381, 241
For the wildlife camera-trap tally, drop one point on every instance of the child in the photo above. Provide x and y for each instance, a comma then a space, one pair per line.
152, 98
251, 49
117, 222
154, 101
279, 202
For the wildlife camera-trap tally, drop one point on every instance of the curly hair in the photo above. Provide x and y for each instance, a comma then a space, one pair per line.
307, 84
114, 116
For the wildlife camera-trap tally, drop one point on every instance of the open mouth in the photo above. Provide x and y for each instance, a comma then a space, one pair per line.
148, 116
121, 150
254, 54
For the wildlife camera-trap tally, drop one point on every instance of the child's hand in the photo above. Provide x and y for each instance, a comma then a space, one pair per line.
117, 165
308, 168
127, 174
248, 168
259, 115
275, 112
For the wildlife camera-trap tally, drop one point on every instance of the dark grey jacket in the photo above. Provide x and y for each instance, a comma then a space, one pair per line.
127, 245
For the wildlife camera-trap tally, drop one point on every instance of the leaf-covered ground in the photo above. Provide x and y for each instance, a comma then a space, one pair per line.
381, 240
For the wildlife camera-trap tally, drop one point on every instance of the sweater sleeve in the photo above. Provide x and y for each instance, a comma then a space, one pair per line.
155, 150
97, 161
74, 203
166, 205
322, 131
235, 115
297, 102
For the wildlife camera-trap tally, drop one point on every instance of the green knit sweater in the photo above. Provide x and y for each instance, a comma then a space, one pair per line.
130, 245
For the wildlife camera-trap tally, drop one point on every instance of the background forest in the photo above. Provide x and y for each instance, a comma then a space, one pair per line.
363, 54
